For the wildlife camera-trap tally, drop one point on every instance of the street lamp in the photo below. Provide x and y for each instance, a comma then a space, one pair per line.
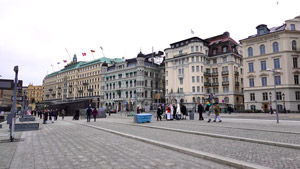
283, 96
271, 111
275, 91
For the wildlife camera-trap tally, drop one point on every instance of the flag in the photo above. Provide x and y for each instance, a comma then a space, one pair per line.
101, 48
192, 32
58, 63
65, 61
83, 54
93, 51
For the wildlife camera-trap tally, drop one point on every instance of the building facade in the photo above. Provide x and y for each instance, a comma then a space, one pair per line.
77, 80
277, 50
34, 93
133, 82
197, 68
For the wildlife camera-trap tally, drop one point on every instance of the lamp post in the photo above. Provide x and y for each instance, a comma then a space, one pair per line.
271, 111
283, 96
275, 91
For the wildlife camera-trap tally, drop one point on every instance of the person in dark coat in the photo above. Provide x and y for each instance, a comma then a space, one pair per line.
95, 113
45, 116
183, 111
200, 111
76, 115
159, 112
88, 114
174, 111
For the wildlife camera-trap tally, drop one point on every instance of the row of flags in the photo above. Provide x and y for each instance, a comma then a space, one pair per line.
92, 51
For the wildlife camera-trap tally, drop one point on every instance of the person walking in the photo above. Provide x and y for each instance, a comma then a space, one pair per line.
207, 111
45, 116
183, 111
200, 111
174, 111
52, 114
159, 112
95, 113
178, 112
63, 114
217, 112
88, 114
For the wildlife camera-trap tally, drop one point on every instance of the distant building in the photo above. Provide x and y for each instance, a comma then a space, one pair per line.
5, 99
278, 49
197, 68
77, 80
137, 81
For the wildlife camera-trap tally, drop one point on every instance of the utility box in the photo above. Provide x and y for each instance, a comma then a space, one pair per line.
141, 118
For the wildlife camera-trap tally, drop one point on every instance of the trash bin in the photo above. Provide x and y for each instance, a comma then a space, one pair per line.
191, 114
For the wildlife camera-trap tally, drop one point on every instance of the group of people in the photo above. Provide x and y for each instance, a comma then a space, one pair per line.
89, 112
178, 112
52, 114
208, 110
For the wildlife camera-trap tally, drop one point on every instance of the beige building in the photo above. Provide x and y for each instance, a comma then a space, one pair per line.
196, 68
75, 81
273, 49
34, 93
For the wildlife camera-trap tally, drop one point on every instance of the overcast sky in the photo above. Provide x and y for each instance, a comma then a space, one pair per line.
34, 34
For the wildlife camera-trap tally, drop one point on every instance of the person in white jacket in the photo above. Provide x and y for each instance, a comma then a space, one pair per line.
178, 112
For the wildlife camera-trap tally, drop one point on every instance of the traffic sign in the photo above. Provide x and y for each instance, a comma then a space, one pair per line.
17, 98
6, 84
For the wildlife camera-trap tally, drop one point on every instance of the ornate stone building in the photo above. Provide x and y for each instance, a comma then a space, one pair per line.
271, 50
197, 68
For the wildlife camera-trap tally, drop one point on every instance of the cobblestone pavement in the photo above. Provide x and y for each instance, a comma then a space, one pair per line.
69, 145
269, 156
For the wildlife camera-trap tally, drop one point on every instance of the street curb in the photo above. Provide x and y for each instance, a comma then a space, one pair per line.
272, 143
195, 153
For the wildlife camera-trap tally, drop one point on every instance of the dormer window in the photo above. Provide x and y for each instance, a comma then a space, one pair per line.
180, 52
214, 51
293, 27
224, 49
261, 32
262, 29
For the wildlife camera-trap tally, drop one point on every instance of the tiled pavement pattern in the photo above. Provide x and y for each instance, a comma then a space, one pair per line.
68, 145
269, 156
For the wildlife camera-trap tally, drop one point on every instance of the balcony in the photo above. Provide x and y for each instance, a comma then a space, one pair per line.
59, 94
90, 90
207, 74
236, 73
215, 84
207, 84
47, 95
59, 88
225, 83
237, 84
70, 92
80, 91
181, 75
85, 83
214, 73
50, 90
225, 72
53, 94
70, 85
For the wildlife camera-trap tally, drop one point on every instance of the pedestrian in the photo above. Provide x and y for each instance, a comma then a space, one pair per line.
171, 111
207, 111
230, 109
56, 114
174, 111
178, 112
183, 111
159, 112
45, 116
138, 110
217, 112
88, 114
95, 113
200, 111
76, 115
63, 114
52, 114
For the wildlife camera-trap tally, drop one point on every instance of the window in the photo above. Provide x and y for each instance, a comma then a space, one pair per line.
198, 79
251, 82
265, 96
263, 65
224, 49
179, 71
197, 58
192, 49
251, 69
181, 80
193, 69
262, 49
214, 51
224, 59
277, 80
293, 27
275, 47
180, 52
192, 59
297, 95
253, 107
252, 96
216, 90
295, 62
166, 82
225, 89
193, 89
198, 88
278, 96
197, 68
181, 90
250, 52
193, 79
276, 64
197, 48
264, 81
294, 45
296, 79
214, 61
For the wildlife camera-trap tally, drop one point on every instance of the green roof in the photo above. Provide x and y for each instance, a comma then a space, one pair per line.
82, 64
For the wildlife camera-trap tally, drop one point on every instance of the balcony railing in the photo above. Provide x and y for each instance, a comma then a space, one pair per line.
80, 91
50, 90
85, 83
180, 75
225, 72
53, 94
237, 84
59, 88
236, 73
90, 90
70, 85
214, 73
207, 74
207, 84
215, 84
225, 83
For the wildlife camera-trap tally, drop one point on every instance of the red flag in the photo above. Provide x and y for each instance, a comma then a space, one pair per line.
93, 51
83, 54
101, 48
65, 61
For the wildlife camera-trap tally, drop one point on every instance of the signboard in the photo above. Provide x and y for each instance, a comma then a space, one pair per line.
17, 98
20, 84
6, 84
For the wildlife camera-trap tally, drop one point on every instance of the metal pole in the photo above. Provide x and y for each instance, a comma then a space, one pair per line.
275, 90
13, 109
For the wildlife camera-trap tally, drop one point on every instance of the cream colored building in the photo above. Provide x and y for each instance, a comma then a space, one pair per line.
34, 93
196, 68
276, 49
75, 81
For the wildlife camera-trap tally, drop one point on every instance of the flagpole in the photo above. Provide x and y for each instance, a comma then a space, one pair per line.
83, 55
52, 68
68, 54
102, 51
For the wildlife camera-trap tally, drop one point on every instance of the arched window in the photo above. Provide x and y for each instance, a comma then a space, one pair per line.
275, 47
226, 100
250, 52
198, 99
253, 107
262, 49
194, 100
294, 45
